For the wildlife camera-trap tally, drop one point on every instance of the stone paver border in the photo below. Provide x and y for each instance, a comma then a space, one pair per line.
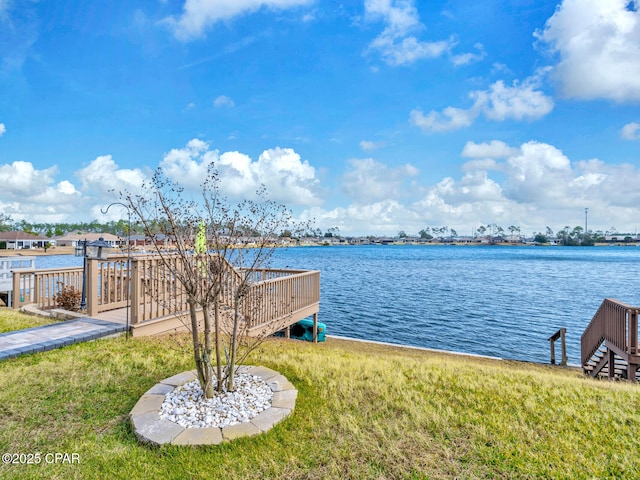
151, 429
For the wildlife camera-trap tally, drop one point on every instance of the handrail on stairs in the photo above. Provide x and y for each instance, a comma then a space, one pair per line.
560, 334
615, 324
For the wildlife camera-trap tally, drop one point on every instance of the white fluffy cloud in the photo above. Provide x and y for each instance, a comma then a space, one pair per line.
22, 179
103, 176
223, 101
598, 44
539, 174
467, 58
369, 181
30, 192
532, 186
450, 118
518, 102
37, 195
493, 149
2, 129
288, 179
188, 165
370, 146
397, 43
631, 131
386, 217
198, 15
521, 101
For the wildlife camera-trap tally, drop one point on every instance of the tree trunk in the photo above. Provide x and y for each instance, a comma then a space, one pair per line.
207, 386
234, 344
197, 346
218, 341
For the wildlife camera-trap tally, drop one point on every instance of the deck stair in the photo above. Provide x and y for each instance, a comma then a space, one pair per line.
609, 344
598, 365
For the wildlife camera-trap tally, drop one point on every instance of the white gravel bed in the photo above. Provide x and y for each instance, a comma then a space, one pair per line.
187, 407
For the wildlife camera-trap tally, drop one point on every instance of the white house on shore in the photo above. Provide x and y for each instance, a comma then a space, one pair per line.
71, 239
18, 240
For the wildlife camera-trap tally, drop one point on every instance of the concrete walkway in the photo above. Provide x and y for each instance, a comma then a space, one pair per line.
55, 335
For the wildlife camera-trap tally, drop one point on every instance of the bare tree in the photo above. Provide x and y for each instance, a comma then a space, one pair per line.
217, 250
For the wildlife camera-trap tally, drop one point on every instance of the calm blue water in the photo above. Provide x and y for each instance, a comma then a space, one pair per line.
500, 301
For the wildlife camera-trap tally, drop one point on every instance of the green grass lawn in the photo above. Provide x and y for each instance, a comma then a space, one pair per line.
363, 411
15, 320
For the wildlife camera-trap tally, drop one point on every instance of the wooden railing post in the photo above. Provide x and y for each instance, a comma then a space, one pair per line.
92, 286
632, 333
15, 292
37, 297
611, 360
560, 334
315, 328
135, 291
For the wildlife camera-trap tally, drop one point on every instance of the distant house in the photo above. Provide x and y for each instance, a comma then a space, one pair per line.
17, 240
360, 241
514, 239
72, 239
138, 240
620, 238
464, 239
159, 239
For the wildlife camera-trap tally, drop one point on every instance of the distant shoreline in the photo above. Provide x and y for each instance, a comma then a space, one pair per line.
38, 252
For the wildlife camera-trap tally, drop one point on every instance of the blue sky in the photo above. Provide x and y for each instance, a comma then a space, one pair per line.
372, 116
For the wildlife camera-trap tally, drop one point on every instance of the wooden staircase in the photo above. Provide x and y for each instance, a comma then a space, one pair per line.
609, 344
598, 365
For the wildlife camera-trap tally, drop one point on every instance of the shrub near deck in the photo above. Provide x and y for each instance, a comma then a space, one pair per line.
363, 411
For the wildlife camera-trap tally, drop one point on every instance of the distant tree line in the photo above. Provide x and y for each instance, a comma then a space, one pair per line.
50, 230
121, 228
563, 236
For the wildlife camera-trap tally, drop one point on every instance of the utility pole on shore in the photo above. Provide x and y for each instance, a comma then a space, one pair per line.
586, 212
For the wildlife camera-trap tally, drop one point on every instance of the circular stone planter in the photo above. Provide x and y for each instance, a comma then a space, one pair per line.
151, 429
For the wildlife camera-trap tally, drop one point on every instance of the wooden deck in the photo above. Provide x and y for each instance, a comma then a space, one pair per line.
118, 315
144, 295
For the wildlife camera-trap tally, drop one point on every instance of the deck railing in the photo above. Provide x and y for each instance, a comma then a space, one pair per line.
41, 286
107, 284
272, 294
154, 290
615, 322
8, 265
279, 297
